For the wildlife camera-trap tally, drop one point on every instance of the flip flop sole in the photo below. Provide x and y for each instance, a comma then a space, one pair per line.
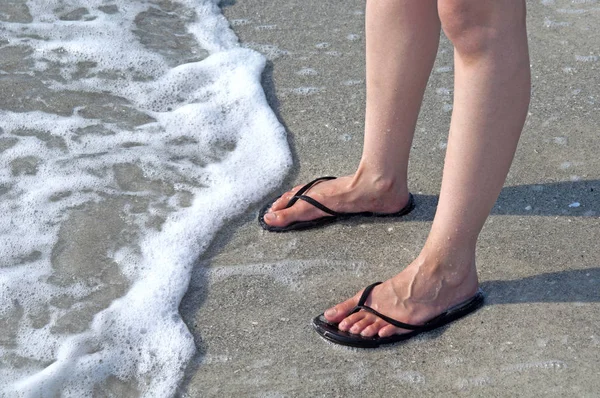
331, 333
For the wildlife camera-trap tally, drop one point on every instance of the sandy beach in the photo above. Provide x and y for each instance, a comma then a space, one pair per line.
253, 293
138, 141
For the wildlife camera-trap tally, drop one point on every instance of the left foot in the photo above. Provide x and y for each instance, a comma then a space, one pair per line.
419, 293
349, 194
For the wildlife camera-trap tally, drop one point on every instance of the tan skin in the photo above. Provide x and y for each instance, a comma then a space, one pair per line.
491, 97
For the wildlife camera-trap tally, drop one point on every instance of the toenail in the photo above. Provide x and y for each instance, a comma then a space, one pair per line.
342, 325
270, 216
330, 312
354, 329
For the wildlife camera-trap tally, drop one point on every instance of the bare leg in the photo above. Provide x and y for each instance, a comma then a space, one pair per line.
402, 39
492, 85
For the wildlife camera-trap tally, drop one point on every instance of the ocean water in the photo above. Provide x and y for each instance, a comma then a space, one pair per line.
130, 131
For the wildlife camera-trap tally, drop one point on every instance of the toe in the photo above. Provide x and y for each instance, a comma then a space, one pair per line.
339, 312
284, 199
361, 325
349, 322
298, 212
281, 218
390, 330
281, 202
372, 329
271, 218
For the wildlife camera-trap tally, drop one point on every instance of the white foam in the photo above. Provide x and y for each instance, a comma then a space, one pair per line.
271, 51
410, 377
554, 365
240, 22
265, 27
191, 110
353, 82
561, 140
284, 272
481, 381
554, 24
443, 69
307, 72
306, 90
587, 58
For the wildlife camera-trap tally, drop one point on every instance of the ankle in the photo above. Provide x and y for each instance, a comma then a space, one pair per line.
380, 183
455, 267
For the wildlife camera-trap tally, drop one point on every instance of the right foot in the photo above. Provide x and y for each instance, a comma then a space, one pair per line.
425, 289
344, 195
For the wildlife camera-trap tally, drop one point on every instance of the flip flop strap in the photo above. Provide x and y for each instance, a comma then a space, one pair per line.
366, 293
389, 320
318, 205
361, 306
305, 188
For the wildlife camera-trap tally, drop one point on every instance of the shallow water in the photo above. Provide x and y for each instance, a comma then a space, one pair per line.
129, 132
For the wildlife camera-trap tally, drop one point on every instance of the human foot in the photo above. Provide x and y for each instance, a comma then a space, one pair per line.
349, 194
424, 290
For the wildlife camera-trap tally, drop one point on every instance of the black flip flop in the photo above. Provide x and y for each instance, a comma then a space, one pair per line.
333, 217
331, 332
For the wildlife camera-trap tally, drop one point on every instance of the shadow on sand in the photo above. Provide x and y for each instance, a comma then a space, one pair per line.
568, 198
573, 286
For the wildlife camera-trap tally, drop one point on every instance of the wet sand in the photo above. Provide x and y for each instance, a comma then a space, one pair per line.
254, 293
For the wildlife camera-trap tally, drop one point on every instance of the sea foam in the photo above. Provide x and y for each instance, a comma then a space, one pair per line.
130, 131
